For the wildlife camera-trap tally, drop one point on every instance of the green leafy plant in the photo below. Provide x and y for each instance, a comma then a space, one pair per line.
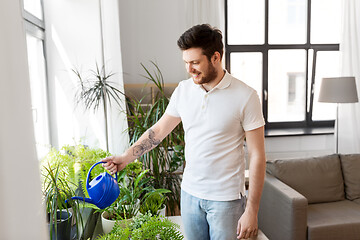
135, 189
82, 158
56, 189
164, 160
146, 226
97, 90
74, 162
153, 203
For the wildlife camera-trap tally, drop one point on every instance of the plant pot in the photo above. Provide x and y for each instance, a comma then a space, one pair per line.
162, 211
63, 226
108, 225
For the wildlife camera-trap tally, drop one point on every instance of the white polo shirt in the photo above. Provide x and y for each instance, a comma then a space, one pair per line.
214, 123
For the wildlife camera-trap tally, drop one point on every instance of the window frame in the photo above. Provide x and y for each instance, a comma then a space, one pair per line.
308, 123
36, 28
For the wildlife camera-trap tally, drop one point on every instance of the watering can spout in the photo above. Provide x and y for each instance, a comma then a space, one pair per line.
88, 200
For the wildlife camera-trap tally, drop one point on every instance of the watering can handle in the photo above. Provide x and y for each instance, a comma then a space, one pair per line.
88, 176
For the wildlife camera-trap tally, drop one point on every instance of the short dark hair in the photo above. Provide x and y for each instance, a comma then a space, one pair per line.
203, 36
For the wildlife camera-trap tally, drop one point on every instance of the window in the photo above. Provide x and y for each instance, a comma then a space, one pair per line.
34, 25
283, 48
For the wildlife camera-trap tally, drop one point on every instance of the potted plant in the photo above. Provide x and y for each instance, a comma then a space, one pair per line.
98, 90
74, 162
145, 226
155, 204
164, 160
56, 189
134, 191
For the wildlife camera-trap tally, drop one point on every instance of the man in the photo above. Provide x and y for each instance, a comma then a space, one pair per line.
217, 112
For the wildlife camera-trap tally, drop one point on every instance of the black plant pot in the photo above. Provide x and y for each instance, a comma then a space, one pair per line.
63, 228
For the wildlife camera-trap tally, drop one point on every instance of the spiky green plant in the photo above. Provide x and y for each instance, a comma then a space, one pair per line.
97, 90
164, 160
57, 189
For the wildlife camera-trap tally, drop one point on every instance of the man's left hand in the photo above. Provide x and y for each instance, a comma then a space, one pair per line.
247, 225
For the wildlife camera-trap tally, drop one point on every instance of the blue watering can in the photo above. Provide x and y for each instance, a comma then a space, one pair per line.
103, 190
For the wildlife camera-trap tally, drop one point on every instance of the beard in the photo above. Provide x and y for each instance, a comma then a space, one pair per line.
209, 75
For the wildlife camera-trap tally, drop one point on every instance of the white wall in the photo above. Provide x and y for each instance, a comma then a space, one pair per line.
299, 146
74, 40
149, 31
23, 216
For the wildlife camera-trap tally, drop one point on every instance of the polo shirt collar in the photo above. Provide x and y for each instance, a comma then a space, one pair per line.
225, 81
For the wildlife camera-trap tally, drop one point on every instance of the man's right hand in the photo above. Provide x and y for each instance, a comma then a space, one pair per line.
114, 163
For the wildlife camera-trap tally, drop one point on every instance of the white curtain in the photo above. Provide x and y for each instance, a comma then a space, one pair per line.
205, 11
22, 214
349, 114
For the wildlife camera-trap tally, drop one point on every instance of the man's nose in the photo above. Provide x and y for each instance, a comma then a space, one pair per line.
189, 68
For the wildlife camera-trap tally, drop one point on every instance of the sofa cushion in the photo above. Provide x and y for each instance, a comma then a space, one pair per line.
357, 201
319, 179
335, 220
351, 170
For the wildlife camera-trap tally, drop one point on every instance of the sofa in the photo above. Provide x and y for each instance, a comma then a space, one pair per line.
312, 198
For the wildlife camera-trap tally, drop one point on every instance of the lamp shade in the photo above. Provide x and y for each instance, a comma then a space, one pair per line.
338, 90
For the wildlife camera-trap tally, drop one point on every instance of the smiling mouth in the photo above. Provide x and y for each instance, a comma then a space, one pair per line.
195, 76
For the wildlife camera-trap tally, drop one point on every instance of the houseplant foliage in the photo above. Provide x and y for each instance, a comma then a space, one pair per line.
97, 90
153, 203
68, 168
75, 161
56, 189
145, 226
135, 189
164, 160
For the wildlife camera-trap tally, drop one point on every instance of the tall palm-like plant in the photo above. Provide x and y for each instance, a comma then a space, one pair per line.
164, 160
97, 90
57, 189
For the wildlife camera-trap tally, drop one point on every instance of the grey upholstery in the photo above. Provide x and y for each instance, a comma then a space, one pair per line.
334, 220
283, 211
306, 198
323, 174
351, 177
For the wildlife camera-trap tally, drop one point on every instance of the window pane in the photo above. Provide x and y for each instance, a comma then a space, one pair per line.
246, 22
34, 7
287, 21
286, 85
325, 21
327, 65
248, 68
36, 63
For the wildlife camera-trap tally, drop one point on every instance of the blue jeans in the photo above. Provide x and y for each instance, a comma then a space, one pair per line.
205, 219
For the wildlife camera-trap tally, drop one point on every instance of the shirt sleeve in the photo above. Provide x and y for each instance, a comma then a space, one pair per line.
172, 106
252, 116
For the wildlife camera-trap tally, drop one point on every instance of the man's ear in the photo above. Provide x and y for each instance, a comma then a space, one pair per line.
216, 57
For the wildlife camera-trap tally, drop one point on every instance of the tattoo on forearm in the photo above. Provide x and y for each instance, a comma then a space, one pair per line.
146, 144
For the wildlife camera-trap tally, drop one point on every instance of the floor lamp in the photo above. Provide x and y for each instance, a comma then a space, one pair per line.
338, 90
